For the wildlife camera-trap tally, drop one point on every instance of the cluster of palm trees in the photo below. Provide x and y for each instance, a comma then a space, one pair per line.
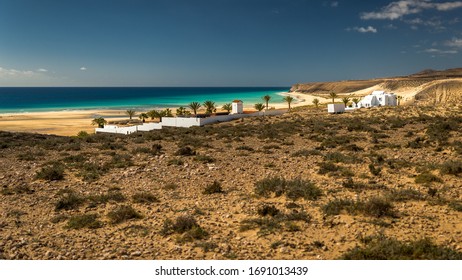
345, 100
209, 106
153, 114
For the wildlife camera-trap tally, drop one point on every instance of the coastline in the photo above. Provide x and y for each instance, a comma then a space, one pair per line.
70, 122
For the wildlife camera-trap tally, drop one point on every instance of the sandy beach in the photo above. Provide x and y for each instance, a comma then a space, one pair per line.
66, 123
69, 123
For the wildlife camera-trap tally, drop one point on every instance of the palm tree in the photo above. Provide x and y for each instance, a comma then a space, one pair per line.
316, 102
209, 107
288, 99
152, 114
182, 111
267, 99
167, 113
194, 106
259, 107
130, 113
399, 99
143, 117
345, 101
227, 107
333, 95
355, 101
100, 122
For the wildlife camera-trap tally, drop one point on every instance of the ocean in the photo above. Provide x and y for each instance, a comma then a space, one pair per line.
28, 99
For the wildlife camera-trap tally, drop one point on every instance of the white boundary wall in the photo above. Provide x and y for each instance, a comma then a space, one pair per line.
149, 126
183, 122
189, 122
128, 129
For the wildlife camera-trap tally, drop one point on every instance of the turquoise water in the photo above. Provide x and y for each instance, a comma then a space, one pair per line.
139, 98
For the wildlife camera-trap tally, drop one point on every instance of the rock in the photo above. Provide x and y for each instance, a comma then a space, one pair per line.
135, 254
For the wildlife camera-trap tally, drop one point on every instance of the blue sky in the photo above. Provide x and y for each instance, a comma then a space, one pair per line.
222, 42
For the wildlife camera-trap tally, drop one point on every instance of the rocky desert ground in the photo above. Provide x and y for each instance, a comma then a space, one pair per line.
373, 183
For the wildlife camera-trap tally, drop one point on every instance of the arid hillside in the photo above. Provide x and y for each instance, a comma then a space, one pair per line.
428, 87
381, 183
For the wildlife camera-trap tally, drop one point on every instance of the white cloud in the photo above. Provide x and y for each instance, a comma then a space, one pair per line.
83, 68
398, 9
455, 43
439, 51
9, 73
448, 6
334, 4
15, 77
434, 22
368, 29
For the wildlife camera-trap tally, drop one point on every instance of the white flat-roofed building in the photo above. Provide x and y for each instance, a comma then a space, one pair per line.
237, 107
378, 98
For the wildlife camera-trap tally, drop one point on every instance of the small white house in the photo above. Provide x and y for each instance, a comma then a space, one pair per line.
378, 98
336, 108
237, 107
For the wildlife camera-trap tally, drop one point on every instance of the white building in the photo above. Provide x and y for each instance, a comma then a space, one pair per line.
378, 98
336, 108
238, 107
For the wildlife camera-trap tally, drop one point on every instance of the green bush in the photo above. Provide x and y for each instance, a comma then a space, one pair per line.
171, 186
378, 207
175, 161
375, 170
404, 195
452, 167
339, 157
215, 187
204, 159
123, 213
111, 195
293, 189
456, 205
392, 249
335, 207
440, 131
144, 197
299, 188
185, 225
268, 210
271, 223
245, 148
121, 161
267, 186
82, 134
84, 221
416, 143
52, 172
426, 178
91, 172
327, 167
350, 184
69, 200
21, 189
